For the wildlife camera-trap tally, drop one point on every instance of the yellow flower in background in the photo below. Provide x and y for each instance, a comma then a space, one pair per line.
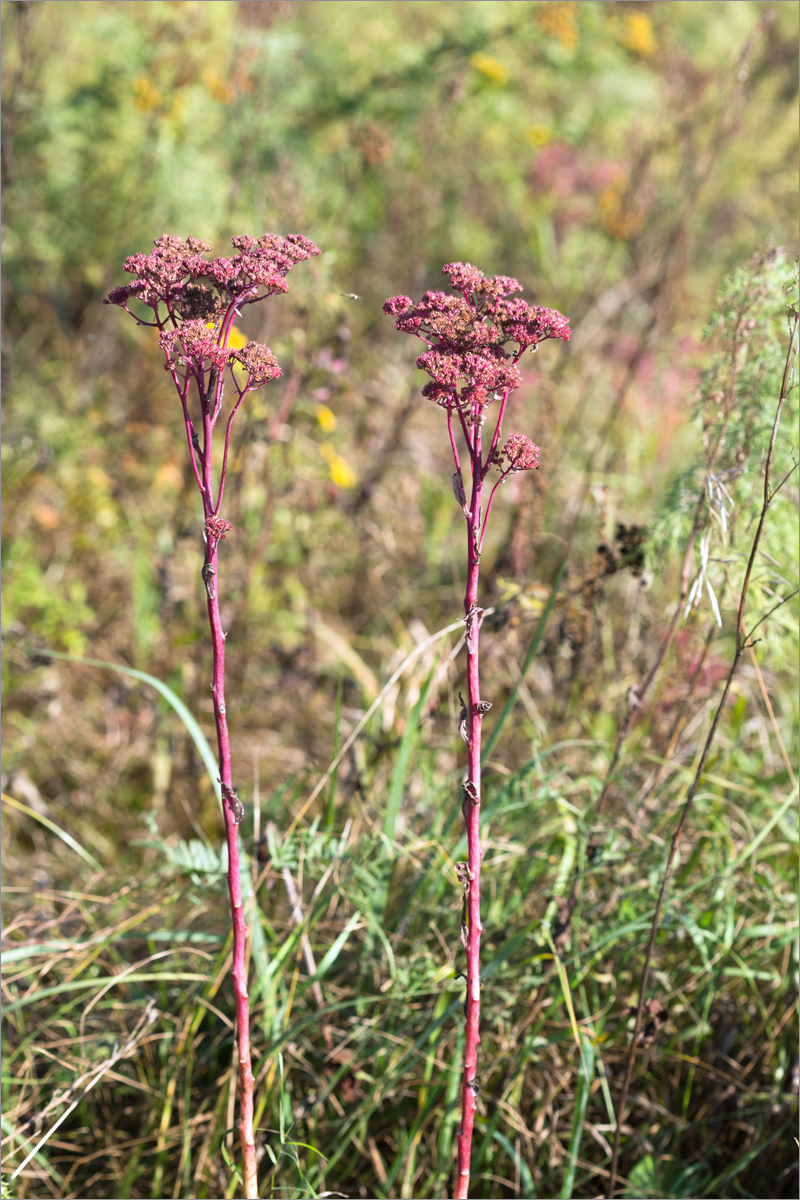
539, 135
341, 472
638, 34
618, 212
326, 418
492, 68
236, 339
217, 87
560, 21
147, 96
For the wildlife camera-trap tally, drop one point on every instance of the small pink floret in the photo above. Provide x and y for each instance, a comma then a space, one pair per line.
522, 454
397, 304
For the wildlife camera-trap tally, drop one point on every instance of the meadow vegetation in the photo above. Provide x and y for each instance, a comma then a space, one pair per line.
633, 166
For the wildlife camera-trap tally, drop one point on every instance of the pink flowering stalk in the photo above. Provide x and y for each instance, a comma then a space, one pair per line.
194, 304
475, 340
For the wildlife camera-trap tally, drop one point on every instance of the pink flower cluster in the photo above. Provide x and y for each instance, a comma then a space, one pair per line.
259, 362
520, 453
475, 338
197, 342
195, 301
218, 528
170, 274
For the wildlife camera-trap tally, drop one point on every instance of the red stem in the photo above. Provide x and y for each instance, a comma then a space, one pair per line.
239, 967
453, 445
499, 425
210, 403
226, 448
472, 810
502, 479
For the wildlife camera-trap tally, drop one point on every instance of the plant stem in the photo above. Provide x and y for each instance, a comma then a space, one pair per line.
472, 811
469, 368
232, 817
176, 279
231, 806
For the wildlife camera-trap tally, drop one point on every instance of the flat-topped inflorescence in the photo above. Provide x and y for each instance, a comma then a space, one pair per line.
195, 301
476, 338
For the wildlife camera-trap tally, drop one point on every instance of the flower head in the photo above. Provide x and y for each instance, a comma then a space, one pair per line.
217, 528
527, 325
198, 343
177, 274
520, 453
461, 380
476, 338
258, 361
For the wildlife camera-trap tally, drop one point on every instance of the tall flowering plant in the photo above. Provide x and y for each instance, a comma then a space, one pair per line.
475, 336
194, 303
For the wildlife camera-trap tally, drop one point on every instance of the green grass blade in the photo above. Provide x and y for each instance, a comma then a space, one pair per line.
525, 1177
534, 646
393, 802
51, 825
175, 702
397, 786
583, 1088
331, 955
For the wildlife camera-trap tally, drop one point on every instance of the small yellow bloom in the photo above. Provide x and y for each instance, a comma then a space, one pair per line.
217, 87
147, 96
341, 472
326, 418
620, 216
539, 135
236, 341
495, 71
638, 34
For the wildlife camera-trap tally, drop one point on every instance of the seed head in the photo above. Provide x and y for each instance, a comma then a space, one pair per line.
218, 528
259, 361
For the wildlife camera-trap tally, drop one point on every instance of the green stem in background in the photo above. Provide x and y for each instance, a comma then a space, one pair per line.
393, 802
585, 1077
330, 810
743, 642
511, 700
190, 724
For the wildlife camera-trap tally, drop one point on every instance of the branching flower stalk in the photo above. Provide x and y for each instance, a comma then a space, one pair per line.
194, 304
475, 339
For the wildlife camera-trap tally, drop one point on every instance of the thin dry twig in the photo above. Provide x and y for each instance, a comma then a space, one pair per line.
146, 1019
743, 642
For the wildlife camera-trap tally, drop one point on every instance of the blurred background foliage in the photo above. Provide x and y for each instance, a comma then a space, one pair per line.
623, 160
